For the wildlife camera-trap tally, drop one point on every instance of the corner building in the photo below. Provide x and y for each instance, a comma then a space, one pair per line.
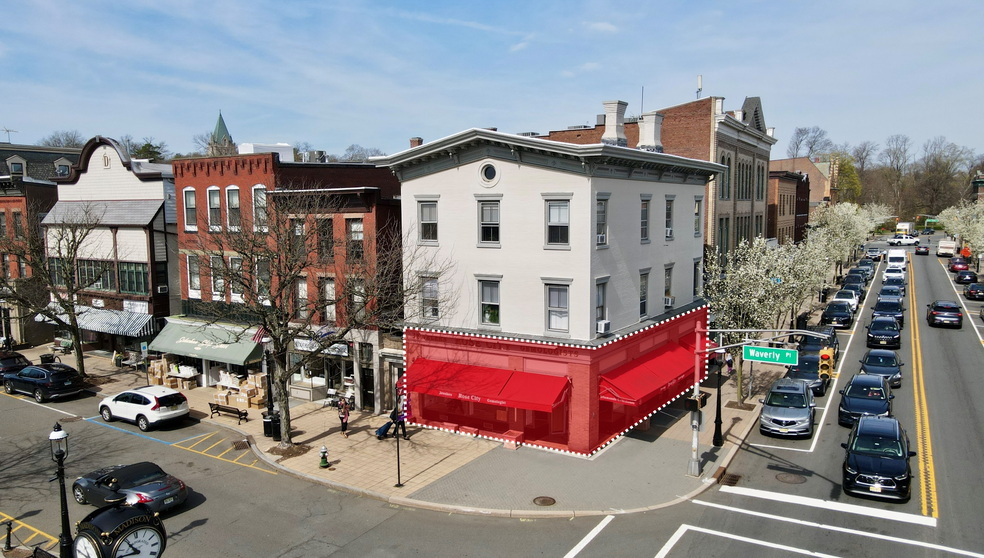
566, 318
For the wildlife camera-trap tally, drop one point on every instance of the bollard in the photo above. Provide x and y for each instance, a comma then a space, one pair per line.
324, 458
6, 545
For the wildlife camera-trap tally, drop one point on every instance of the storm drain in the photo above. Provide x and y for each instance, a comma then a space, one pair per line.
544, 501
790, 478
730, 479
240, 445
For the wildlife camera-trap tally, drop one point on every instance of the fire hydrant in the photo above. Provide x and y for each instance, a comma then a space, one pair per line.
324, 457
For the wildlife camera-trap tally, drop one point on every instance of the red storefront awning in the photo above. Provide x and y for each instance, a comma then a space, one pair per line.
636, 382
493, 386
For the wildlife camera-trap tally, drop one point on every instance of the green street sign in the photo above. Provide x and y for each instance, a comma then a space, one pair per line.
770, 355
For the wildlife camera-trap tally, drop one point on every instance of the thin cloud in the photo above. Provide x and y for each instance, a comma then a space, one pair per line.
603, 26
519, 46
589, 66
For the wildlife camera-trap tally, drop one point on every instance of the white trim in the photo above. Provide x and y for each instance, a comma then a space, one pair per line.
194, 293
229, 189
213, 227
184, 208
266, 206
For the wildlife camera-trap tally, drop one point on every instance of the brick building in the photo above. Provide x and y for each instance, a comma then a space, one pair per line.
782, 205
822, 177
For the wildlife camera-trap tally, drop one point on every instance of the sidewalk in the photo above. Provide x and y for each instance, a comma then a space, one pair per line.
460, 474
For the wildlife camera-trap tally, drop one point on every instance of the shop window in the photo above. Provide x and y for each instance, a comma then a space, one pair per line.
232, 208
490, 302
190, 210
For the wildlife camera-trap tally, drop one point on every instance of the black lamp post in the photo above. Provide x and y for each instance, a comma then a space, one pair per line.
59, 451
718, 440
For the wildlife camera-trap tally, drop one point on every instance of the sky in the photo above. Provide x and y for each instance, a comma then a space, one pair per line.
377, 73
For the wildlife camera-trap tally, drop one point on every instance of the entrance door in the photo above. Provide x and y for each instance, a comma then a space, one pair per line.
368, 389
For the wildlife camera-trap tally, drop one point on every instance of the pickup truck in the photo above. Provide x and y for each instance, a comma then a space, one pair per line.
947, 248
903, 240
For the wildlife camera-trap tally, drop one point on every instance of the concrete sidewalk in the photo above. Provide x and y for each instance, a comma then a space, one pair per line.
461, 474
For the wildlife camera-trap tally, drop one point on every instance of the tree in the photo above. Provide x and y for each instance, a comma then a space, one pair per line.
301, 147
67, 138
939, 178
897, 158
201, 142
864, 155
848, 183
813, 141
355, 153
275, 254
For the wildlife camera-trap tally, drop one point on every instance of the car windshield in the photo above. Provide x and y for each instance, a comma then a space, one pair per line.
896, 281
884, 325
878, 446
793, 400
839, 307
881, 360
890, 291
811, 366
846, 295
139, 474
888, 306
14, 361
866, 392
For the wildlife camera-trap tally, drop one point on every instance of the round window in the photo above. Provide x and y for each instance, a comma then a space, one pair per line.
488, 173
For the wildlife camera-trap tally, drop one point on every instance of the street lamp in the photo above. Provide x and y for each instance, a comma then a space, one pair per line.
59, 451
718, 437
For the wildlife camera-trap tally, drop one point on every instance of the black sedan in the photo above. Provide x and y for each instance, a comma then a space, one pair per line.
896, 281
864, 395
974, 291
144, 483
884, 332
922, 250
887, 364
890, 308
877, 459
927, 232
44, 381
965, 277
945, 312
837, 314
807, 369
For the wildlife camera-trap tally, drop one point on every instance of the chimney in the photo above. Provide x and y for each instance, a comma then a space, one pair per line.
416, 142
771, 132
649, 128
718, 105
740, 115
615, 123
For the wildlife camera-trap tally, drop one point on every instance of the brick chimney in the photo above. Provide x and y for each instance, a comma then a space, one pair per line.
615, 123
649, 129
416, 142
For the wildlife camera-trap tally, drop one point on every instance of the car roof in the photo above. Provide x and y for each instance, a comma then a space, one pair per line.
888, 427
882, 352
881, 319
10, 354
867, 380
54, 367
789, 385
153, 390
847, 292
137, 470
946, 303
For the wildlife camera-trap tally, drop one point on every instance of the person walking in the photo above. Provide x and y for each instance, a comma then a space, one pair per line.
729, 362
399, 422
343, 415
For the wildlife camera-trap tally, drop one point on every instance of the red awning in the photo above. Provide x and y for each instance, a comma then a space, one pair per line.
493, 386
636, 382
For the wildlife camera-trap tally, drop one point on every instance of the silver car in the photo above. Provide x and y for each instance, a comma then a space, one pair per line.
788, 409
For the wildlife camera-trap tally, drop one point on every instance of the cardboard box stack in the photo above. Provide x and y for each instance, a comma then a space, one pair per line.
157, 371
222, 397
256, 390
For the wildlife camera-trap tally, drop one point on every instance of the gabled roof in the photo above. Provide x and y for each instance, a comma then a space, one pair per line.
752, 114
221, 132
141, 168
133, 213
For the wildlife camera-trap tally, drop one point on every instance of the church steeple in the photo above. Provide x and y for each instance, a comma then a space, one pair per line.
221, 144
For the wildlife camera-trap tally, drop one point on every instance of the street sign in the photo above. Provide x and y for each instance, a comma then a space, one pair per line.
770, 355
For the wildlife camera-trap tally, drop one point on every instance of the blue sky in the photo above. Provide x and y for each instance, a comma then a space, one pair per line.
377, 73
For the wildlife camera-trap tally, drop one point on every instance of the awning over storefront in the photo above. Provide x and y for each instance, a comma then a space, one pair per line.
209, 342
636, 382
113, 322
493, 386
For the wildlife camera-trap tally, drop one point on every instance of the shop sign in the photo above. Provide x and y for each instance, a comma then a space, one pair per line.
308, 345
98, 303
136, 306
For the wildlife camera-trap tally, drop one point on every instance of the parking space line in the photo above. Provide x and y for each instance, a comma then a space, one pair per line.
830, 505
31, 400
927, 477
589, 537
213, 445
95, 420
220, 457
191, 447
663, 552
17, 525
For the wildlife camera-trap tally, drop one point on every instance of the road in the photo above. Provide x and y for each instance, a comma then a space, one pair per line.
786, 499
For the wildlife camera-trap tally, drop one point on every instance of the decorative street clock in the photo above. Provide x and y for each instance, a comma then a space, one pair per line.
120, 531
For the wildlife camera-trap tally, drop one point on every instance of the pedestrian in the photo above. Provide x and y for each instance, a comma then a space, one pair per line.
399, 421
729, 362
343, 415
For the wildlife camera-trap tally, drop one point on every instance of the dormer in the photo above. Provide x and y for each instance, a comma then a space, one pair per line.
16, 166
62, 167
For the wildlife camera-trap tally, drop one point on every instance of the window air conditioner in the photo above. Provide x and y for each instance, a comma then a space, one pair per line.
601, 239
162, 289
668, 301
604, 326
669, 233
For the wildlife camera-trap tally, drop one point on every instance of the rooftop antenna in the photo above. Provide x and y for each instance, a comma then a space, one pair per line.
8, 131
700, 84
642, 101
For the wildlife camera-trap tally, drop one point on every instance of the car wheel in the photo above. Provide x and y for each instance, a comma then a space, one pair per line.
79, 494
8, 387
142, 423
107, 415
39, 395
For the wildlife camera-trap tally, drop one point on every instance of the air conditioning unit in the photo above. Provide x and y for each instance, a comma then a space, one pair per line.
668, 301
601, 239
162, 289
604, 326
669, 233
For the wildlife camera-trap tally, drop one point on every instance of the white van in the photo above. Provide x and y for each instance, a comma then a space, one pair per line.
896, 258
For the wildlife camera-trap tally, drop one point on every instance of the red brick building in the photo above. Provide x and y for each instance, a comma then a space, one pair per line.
782, 205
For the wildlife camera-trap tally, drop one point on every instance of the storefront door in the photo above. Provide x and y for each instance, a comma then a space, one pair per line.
368, 389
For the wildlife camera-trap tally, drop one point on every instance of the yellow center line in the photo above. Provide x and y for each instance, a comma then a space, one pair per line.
927, 477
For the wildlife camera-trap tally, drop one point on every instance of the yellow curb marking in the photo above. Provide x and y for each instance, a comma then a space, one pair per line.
220, 457
52, 540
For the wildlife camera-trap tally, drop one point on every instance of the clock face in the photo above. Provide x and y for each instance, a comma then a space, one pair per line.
142, 542
85, 548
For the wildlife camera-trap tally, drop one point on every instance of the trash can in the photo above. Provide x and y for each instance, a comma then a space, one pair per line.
47, 358
268, 423
823, 294
802, 320
275, 426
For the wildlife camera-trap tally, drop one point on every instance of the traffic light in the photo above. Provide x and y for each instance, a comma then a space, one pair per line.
826, 362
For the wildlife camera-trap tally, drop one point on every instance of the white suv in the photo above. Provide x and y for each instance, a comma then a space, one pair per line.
893, 272
147, 406
849, 297
903, 240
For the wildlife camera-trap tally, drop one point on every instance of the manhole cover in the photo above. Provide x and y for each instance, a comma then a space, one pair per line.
240, 445
544, 501
790, 478
730, 479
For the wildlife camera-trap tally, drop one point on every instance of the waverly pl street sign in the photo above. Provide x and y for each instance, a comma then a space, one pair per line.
770, 355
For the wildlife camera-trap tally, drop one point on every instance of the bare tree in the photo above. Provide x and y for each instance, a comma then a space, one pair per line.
813, 141
66, 138
201, 142
939, 176
864, 155
897, 157
301, 147
357, 153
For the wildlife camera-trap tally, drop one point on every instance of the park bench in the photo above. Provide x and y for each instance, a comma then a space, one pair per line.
216, 408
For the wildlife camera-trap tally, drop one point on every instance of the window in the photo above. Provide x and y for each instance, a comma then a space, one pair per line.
601, 311
56, 266
96, 275
669, 218
16, 168
214, 209
668, 282
429, 298
758, 225
356, 300
327, 290
190, 211
21, 267
557, 308
601, 222
326, 240
236, 278
697, 217
644, 221
217, 271
297, 236
558, 222
490, 302
232, 208
5, 265
18, 224
697, 274
133, 278
259, 208
194, 278
353, 231
643, 294
428, 220
3, 223
263, 278
301, 311
489, 217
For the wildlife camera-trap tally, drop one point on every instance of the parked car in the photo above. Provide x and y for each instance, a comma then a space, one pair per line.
875, 254
807, 369
957, 264
146, 406
884, 363
848, 296
890, 308
863, 395
870, 265
788, 409
964, 277
903, 240
974, 291
946, 312
858, 278
928, 231
858, 288
144, 483
884, 332
893, 273
897, 282
12, 362
811, 344
860, 271
837, 314
890, 292
922, 250
44, 381
877, 459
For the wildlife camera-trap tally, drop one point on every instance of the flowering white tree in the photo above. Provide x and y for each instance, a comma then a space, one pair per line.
965, 220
